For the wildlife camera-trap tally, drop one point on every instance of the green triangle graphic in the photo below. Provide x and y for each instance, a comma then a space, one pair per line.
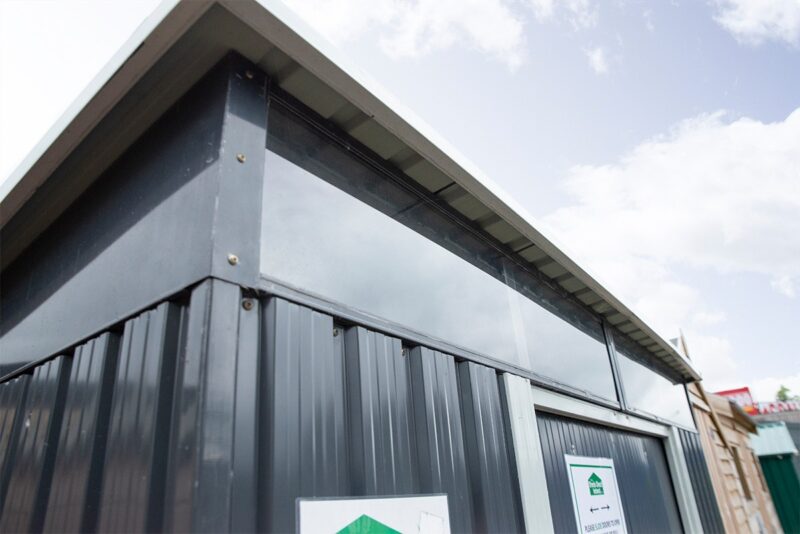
366, 525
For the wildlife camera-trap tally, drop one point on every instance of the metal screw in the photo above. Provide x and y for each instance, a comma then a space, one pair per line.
233, 259
249, 74
335, 332
247, 304
240, 158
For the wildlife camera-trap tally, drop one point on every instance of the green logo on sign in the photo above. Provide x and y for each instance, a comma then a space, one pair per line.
366, 525
595, 485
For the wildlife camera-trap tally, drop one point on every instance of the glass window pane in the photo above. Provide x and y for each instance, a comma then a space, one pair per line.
336, 227
650, 392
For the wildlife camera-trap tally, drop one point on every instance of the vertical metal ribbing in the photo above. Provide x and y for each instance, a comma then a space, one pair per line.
212, 450
492, 476
701, 482
303, 433
246, 423
439, 433
31, 473
382, 456
77, 477
12, 402
135, 461
179, 487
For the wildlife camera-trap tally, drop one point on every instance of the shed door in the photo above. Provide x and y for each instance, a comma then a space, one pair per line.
639, 461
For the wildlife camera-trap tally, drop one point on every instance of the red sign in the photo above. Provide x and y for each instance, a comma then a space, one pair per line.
777, 407
743, 398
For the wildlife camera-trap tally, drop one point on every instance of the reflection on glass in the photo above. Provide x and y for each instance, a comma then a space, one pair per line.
650, 392
321, 239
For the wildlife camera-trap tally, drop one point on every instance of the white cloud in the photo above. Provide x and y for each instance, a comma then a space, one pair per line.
579, 13
647, 15
543, 9
705, 318
713, 357
597, 60
784, 285
756, 21
411, 28
714, 194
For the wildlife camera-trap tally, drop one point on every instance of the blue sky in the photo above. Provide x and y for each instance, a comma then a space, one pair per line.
659, 141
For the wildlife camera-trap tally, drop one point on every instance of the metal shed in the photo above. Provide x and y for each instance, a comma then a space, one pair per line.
235, 274
775, 449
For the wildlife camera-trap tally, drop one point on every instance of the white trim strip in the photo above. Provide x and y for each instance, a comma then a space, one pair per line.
528, 452
684, 493
557, 403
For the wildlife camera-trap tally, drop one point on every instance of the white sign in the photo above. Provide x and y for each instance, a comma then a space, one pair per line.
414, 514
595, 495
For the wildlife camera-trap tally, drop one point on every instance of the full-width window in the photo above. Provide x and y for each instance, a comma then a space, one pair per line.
341, 226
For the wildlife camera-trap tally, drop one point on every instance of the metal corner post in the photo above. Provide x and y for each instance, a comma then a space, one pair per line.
528, 452
236, 232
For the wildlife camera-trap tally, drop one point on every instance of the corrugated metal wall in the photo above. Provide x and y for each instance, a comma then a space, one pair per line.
375, 418
701, 482
217, 412
33, 447
640, 463
784, 486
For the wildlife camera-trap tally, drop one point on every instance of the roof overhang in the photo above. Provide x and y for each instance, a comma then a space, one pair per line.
181, 41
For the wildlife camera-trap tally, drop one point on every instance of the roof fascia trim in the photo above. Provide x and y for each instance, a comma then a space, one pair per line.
154, 36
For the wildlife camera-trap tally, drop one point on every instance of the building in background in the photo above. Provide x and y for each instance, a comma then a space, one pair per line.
739, 485
778, 454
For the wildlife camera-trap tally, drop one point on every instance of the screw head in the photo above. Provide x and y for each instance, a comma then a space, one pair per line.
240, 158
335, 332
248, 74
233, 259
247, 304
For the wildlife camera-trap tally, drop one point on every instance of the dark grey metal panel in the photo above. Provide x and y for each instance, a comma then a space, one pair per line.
640, 463
382, 456
135, 462
212, 476
77, 476
30, 474
150, 226
701, 482
494, 484
304, 428
440, 435
217, 414
12, 398
348, 412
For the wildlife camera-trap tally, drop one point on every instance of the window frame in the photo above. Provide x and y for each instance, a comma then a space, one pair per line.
561, 304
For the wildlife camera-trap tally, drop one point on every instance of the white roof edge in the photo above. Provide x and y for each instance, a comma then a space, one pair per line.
272, 19
14, 188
